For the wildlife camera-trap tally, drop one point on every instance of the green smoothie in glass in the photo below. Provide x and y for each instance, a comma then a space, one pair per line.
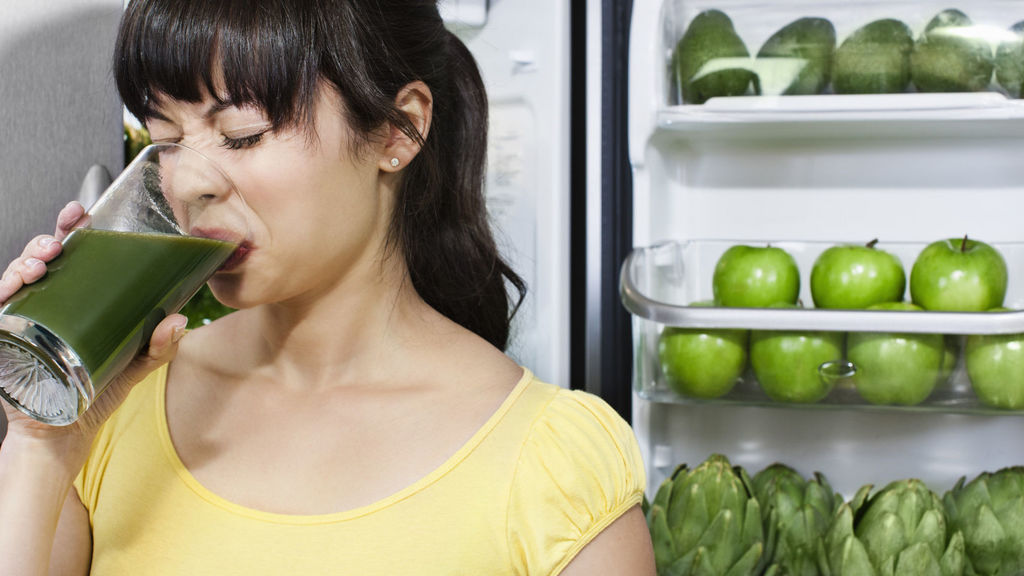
107, 291
132, 262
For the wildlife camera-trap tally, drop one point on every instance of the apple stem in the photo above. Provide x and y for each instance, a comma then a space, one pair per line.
963, 244
872, 243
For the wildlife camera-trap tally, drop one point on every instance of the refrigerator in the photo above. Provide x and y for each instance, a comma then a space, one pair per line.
804, 173
60, 116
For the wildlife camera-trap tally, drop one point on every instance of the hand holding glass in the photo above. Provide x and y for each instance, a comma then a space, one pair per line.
154, 237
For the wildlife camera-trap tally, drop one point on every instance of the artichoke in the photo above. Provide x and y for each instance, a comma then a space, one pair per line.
989, 510
799, 512
899, 531
706, 521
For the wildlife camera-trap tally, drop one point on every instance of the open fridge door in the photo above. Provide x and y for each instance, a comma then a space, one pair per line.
803, 173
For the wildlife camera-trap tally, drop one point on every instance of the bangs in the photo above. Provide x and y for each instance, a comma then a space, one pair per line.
239, 52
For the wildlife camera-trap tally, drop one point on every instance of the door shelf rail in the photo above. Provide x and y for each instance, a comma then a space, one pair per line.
660, 284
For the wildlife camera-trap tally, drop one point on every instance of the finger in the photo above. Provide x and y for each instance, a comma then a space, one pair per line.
162, 347
163, 344
20, 272
69, 216
44, 247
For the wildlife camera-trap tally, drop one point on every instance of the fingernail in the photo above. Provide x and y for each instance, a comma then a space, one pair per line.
32, 262
179, 333
47, 242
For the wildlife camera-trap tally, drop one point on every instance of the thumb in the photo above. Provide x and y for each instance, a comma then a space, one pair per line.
163, 345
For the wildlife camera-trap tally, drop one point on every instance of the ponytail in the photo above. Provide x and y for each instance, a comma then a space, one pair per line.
446, 236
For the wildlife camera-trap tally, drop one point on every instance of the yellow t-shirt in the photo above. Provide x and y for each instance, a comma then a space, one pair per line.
546, 473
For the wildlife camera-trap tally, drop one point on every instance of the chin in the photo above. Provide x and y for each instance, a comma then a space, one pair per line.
229, 290
235, 291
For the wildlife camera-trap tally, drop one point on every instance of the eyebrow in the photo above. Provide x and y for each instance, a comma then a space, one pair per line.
215, 109
212, 111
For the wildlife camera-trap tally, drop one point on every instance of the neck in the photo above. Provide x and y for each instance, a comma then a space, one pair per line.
347, 333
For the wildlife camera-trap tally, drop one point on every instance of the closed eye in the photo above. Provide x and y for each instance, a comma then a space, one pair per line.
242, 142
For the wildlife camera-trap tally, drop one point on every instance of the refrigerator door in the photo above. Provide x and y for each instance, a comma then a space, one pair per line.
59, 112
821, 169
522, 49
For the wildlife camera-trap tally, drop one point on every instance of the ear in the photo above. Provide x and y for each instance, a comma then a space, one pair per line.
417, 103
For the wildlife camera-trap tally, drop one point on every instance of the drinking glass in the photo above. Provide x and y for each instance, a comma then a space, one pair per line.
168, 222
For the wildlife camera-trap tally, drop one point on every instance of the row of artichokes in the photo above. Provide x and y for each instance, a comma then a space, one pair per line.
715, 520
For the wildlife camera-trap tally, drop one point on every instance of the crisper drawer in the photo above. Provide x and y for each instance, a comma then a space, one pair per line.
815, 357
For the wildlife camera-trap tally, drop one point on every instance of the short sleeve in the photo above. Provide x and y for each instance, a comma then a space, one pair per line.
580, 469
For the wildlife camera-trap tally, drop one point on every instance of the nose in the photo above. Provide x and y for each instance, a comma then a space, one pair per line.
189, 176
191, 184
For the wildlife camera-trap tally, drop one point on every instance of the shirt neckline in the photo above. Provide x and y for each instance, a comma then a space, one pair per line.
186, 477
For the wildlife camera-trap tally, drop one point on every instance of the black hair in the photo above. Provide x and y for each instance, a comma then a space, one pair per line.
274, 53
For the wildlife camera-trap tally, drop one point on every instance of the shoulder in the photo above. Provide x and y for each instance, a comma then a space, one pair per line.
575, 425
579, 469
577, 437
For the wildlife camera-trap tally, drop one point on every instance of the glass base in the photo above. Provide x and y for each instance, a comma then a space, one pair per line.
40, 374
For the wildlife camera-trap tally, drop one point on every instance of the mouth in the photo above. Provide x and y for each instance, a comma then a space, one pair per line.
241, 253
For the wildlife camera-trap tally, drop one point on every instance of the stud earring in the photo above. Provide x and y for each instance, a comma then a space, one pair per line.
394, 162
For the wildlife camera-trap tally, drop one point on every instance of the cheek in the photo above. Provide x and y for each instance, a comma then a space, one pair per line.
326, 192
287, 195
264, 178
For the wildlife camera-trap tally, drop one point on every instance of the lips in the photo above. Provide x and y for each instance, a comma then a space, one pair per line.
240, 254
237, 257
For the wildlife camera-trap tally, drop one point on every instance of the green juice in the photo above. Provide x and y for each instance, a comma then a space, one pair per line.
107, 291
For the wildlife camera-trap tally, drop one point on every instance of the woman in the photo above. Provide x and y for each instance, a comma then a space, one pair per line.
356, 415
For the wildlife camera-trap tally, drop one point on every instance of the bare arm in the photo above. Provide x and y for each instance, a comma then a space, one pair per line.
40, 514
72, 548
36, 489
623, 548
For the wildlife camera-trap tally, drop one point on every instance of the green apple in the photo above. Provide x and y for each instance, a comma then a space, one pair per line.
995, 366
702, 362
855, 276
896, 368
958, 274
786, 363
756, 277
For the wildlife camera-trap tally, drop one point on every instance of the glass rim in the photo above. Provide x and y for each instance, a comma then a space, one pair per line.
151, 154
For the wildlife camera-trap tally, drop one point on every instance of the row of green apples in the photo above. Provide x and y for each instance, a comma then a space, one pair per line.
888, 368
717, 520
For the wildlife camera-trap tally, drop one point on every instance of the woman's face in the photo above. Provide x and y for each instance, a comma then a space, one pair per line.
317, 212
